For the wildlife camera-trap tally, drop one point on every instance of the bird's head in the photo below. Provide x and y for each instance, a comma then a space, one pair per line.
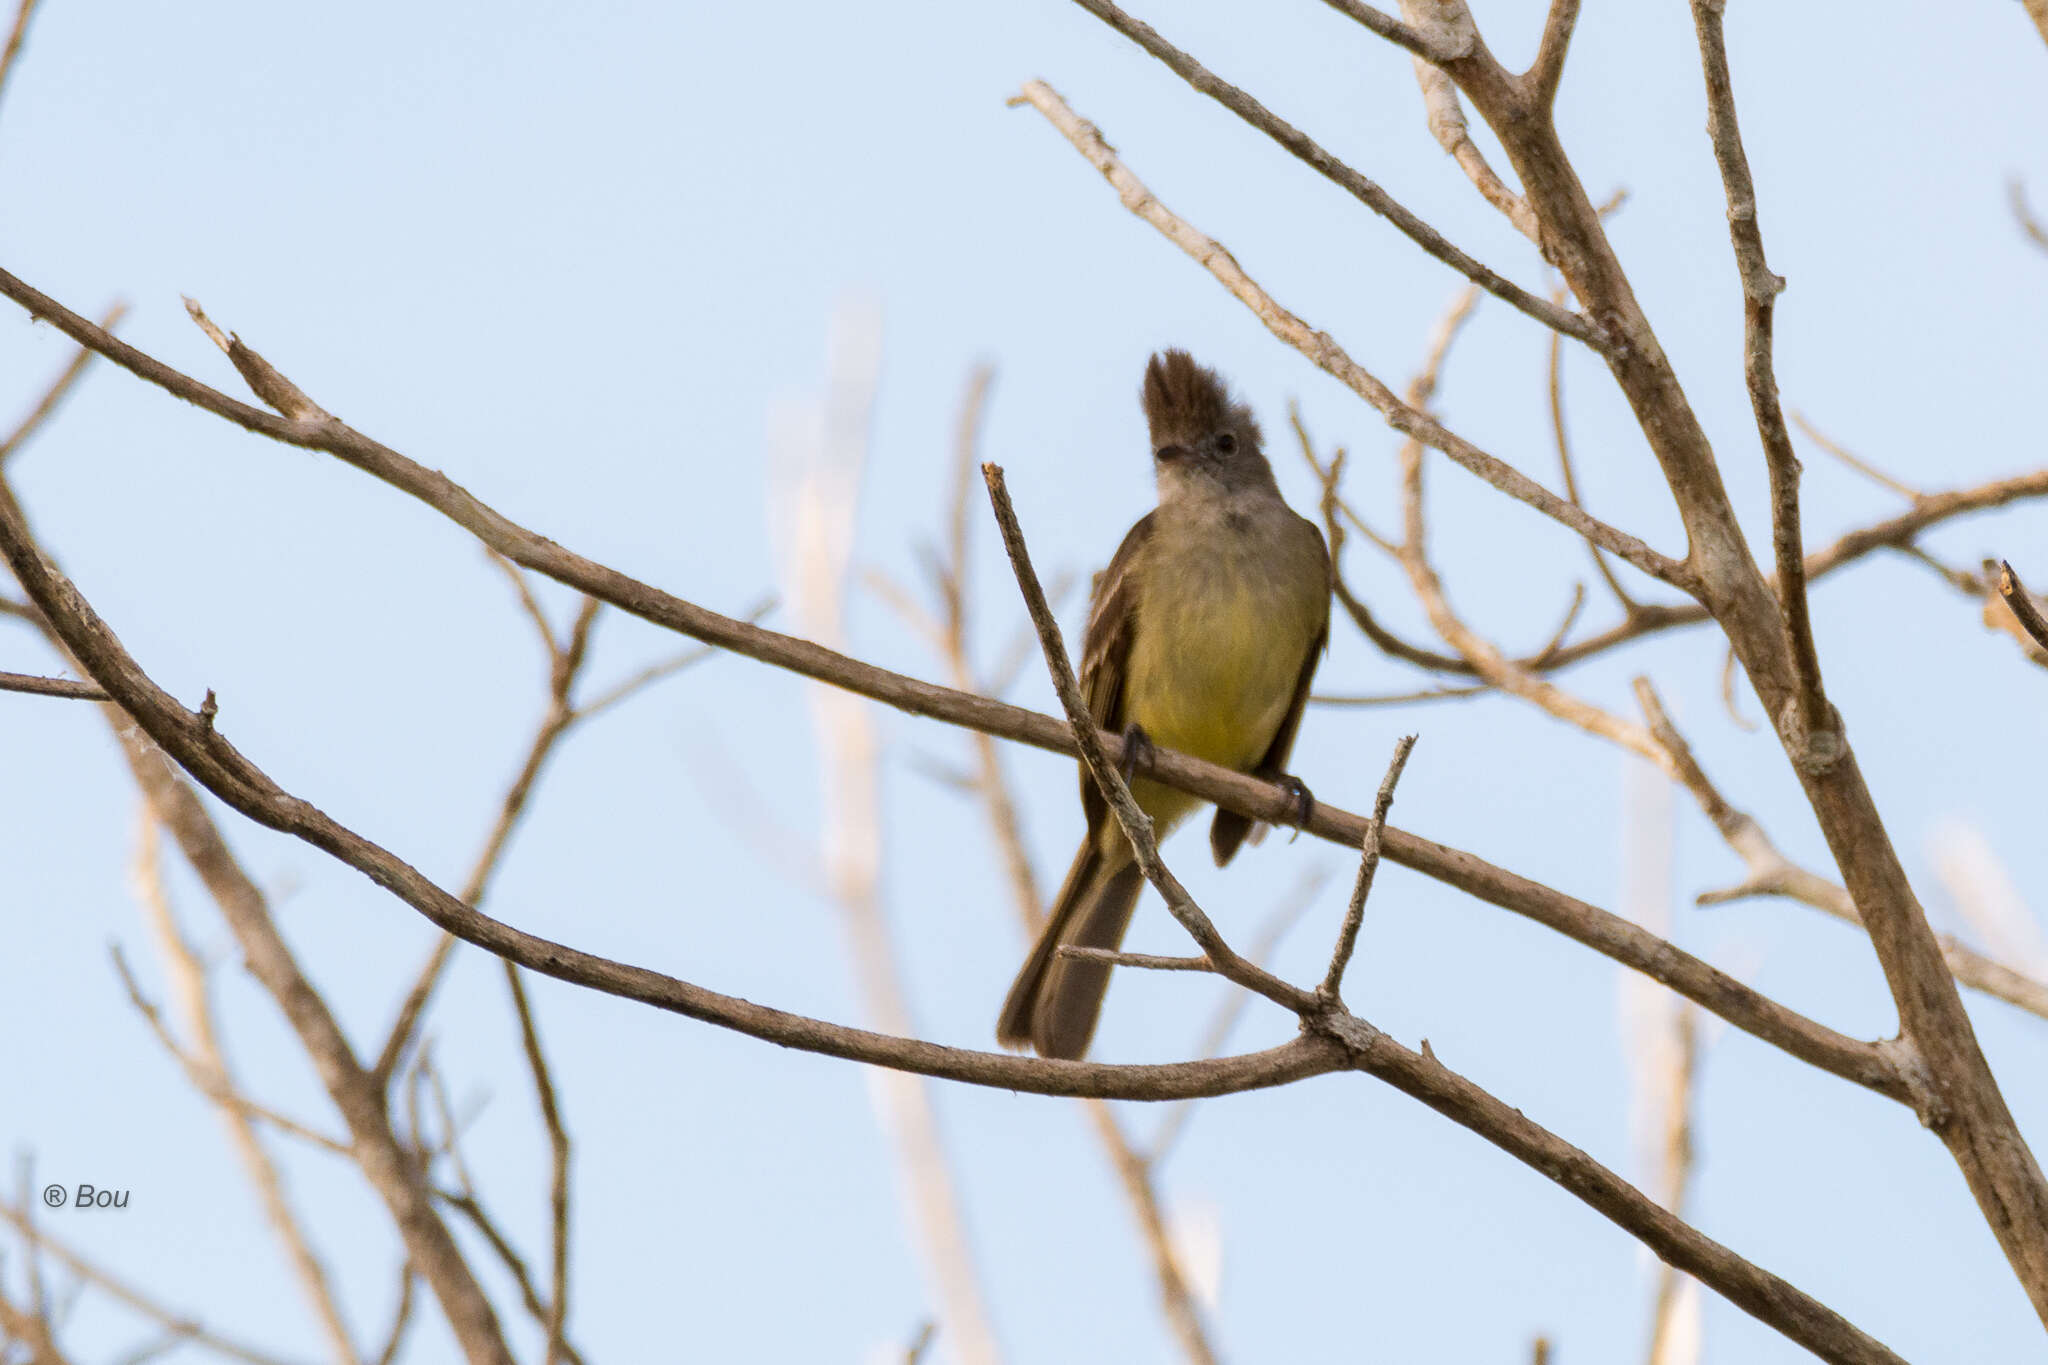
1200, 438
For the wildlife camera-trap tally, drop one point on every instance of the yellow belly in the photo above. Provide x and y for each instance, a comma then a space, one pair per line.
1212, 674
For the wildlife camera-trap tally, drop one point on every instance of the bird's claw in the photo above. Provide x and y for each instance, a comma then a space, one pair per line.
1304, 802
1139, 751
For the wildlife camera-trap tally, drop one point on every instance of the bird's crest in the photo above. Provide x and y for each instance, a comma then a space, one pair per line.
1184, 400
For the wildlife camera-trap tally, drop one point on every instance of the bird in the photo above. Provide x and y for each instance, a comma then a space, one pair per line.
1203, 635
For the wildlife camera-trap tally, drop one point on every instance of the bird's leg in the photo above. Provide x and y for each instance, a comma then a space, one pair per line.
1304, 801
1139, 751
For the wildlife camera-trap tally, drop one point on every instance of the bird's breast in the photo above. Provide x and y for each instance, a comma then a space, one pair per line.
1227, 622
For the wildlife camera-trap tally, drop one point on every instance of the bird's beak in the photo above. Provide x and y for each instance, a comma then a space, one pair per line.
1169, 454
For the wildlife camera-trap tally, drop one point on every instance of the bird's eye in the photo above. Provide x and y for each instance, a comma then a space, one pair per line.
1226, 444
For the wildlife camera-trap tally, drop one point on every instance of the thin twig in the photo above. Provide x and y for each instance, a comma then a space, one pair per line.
1305, 148
207, 1082
67, 379
1368, 863
2016, 191
35, 686
557, 1318
187, 1328
2024, 608
401, 1316
1808, 728
1146, 961
1338, 1041
1446, 117
1330, 357
1136, 825
1177, 1300
208, 1065
1231, 1007
1770, 873
1558, 432
1543, 76
1850, 458
15, 37
508, 1255
1403, 698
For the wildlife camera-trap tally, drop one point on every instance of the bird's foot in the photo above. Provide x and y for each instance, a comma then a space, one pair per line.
1304, 802
1139, 751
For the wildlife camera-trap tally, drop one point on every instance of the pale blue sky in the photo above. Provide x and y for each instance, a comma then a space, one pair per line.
575, 257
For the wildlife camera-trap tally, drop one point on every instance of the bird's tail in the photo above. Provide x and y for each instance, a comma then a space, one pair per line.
1055, 1001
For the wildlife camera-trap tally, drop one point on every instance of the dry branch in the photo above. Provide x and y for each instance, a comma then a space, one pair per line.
1327, 354
1300, 145
1597, 929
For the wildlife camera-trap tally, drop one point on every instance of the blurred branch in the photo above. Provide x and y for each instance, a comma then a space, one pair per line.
2022, 213
185, 1328
1284, 916
1849, 458
556, 1321
67, 379
74, 628
1629, 606
991, 785
16, 36
207, 1063
819, 467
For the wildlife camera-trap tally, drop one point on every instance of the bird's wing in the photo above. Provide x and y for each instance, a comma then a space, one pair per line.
1106, 647
1229, 829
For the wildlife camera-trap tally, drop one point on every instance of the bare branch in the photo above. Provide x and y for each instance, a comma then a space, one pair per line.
210, 1083
1447, 125
35, 686
1339, 1041
1760, 289
106, 1282
1629, 606
1300, 145
229, 775
67, 379
2015, 190
471, 1208
1849, 458
1771, 873
401, 1316
1136, 825
15, 37
558, 1177
1145, 961
208, 1063
1369, 862
1404, 698
385, 1166
1543, 76
1231, 1008
1329, 356
1183, 1316
1393, 30
2024, 608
